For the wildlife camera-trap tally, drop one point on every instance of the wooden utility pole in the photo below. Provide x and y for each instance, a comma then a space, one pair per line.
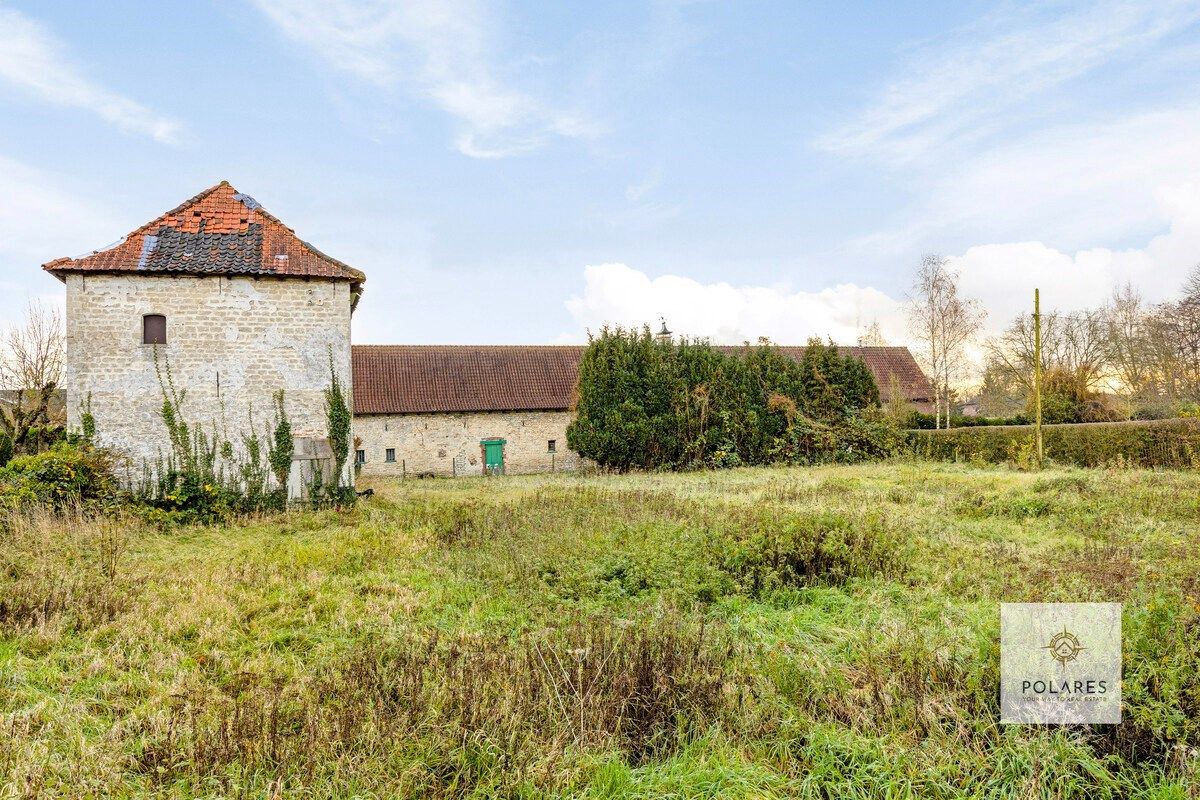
1037, 371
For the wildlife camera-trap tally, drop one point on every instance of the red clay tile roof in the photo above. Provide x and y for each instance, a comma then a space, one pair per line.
218, 232
415, 379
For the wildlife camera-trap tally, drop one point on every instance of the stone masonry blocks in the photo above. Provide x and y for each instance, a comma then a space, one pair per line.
231, 343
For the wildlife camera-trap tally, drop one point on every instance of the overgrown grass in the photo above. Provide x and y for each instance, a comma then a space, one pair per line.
826, 632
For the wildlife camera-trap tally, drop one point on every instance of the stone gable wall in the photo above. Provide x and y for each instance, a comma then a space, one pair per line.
448, 444
231, 343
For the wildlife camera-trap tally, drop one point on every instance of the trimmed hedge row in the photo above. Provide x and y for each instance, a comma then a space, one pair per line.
1172, 443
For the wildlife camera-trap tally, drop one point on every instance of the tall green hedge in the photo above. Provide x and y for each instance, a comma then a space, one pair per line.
648, 404
1172, 443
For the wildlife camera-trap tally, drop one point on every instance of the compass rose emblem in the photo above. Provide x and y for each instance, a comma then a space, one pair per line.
1064, 647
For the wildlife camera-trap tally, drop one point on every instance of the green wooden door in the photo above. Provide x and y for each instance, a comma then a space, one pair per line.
493, 455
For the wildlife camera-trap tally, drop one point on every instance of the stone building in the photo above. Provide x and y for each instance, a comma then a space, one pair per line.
221, 299
428, 410
453, 410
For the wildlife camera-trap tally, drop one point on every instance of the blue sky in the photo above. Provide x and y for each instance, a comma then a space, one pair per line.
521, 172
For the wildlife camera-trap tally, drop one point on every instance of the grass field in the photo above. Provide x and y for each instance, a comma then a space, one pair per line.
824, 632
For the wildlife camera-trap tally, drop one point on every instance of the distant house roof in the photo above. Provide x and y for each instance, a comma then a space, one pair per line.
415, 379
218, 232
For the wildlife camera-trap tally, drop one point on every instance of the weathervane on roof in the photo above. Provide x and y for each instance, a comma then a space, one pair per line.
663, 334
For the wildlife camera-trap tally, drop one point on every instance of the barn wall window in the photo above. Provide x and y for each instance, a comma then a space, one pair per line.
390, 455
154, 329
551, 446
360, 456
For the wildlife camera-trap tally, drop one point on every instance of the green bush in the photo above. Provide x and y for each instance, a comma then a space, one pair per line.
1172, 443
649, 404
781, 550
66, 473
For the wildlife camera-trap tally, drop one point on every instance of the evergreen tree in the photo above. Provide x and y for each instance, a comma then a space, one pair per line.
649, 404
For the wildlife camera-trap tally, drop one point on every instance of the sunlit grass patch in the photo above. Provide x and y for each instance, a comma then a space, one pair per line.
776, 632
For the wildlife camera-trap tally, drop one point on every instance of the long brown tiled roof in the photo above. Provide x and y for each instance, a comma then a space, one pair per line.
218, 232
415, 379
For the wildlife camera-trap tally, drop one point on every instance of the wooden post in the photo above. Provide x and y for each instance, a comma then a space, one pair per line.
1037, 372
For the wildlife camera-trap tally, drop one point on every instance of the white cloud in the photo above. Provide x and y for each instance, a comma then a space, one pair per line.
637, 190
1004, 275
33, 60
1073, 186
40, 220
1074, 200
1001, 275
981, 77
439, 49
726, 314
33, 208
1078, 182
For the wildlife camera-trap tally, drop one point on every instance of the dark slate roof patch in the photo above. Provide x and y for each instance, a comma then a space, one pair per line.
222, 253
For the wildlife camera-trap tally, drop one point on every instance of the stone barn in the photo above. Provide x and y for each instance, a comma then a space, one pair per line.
221, 299
462, 410
445, 409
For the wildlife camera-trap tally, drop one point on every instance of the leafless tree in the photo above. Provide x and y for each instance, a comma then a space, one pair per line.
1178, 334
872, 336
944, 323
1073, 344
1126, 324
31, 367
1000, 395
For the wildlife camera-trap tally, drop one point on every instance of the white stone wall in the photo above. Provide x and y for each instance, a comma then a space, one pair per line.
231, 343
448, 444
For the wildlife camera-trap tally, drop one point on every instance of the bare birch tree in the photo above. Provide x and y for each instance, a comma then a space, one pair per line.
944, 322
1128, 341
1180, 326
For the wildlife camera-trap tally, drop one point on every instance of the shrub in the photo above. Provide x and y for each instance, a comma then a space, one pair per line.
281, 445
204, 478
337, 415
1171, 443
67, 473
1154, 410
648, 404
1064, 396
781, 550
